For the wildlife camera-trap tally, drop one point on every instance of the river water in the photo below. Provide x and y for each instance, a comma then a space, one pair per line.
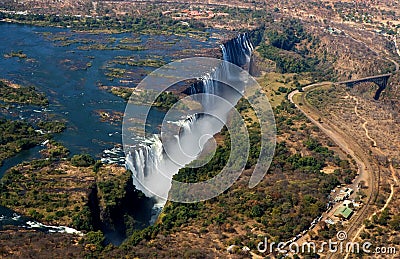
73, 90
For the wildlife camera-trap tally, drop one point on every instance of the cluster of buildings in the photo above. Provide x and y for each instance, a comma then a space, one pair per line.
193, 14
346, 210
344, 194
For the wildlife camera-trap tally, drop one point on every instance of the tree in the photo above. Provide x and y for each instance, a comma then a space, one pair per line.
94, 240
83, 160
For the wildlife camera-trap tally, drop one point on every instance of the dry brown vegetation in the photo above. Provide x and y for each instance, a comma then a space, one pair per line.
17, 243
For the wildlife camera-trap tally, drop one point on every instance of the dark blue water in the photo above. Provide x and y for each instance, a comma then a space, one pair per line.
25, 155
74, 94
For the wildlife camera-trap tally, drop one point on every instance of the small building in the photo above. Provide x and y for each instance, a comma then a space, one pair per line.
343, 212
341, 196
194, 13
330, 221
349, 191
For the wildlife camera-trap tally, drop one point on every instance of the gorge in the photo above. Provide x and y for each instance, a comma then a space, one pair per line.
154, 163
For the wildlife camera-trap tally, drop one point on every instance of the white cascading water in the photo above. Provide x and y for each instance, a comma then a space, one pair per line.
140, 161
209, 89
149, 163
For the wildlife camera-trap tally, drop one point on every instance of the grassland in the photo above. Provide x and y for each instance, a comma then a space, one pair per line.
277, 85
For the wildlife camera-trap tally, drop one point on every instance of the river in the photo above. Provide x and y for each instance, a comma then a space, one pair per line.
72, 87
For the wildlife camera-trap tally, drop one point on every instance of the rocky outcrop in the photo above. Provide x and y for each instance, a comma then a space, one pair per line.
122, 208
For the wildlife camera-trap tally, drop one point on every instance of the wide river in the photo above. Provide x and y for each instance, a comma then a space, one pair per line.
57, 64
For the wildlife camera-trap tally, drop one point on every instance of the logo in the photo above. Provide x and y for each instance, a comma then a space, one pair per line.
341, 235
324, 247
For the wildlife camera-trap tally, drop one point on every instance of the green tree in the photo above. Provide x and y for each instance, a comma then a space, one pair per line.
83, 160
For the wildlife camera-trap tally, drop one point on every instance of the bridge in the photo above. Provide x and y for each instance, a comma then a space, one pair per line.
380, 80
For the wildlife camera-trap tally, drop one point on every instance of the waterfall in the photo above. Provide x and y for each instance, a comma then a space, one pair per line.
238, 50
143, 161
150, 164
